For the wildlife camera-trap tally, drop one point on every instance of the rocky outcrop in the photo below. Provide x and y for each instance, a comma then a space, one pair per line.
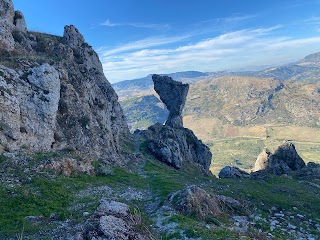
171, 143
113, 220
54, 94
177, 146
72, 36
6, 24
173, 94
284, 160
233, 172
19, 21
195, 201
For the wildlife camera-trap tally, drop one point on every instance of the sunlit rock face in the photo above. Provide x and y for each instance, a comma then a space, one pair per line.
284, 160
54, 95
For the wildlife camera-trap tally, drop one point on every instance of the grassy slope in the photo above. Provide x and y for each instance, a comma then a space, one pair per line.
41, 194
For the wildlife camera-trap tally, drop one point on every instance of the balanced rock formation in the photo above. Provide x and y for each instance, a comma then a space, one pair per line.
173, 94
54, 95
284, 160
171, 143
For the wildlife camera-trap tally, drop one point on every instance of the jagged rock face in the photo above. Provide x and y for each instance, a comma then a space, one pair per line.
262, 160
176, 146
284, 160
67, 104
19, 21
6, 24
173, 94
233, 172
72, 36
196, 202
29, 105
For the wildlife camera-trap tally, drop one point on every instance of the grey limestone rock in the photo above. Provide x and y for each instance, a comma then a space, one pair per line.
6, 24
19, 21
29, 104
233, 172
173, 94
67, 104
72, 36
284, 160
112, 221
171, 143
177, 146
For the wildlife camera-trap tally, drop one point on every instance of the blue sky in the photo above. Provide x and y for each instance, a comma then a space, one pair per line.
137, 37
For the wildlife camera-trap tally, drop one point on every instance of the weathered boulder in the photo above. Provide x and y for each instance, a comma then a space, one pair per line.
173, 94
19, 21
6, 24
233, 172
284, 160
113, 220
196, 202
262, 160
176, 146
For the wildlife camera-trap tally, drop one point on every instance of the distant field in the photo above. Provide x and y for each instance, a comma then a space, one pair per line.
239, 146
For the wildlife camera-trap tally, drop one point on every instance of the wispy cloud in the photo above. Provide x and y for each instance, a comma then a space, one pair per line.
142, 44
162, 27
235, 49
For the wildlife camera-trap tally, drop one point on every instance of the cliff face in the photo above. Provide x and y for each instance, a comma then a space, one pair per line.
53, 93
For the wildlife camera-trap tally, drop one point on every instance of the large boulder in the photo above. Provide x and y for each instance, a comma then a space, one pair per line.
233, 172
284, 160
19, 21
177, 146
113, 220
173, 94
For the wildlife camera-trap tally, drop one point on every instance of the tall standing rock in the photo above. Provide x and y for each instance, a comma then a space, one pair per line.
173, 94
19, 21
173, 144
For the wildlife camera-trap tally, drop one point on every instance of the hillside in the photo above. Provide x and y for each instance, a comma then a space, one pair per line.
305, 70
239, 116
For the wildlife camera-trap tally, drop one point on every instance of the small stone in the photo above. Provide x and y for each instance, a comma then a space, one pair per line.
300, 216
85, 214
290, 226
279, 215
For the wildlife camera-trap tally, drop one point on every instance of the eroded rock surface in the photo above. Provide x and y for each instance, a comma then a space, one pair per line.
284, 160
113, 220
173, 94
54, 95
171, 143
176, 146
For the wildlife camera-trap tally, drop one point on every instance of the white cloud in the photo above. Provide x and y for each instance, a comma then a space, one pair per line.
162, 27
236, 49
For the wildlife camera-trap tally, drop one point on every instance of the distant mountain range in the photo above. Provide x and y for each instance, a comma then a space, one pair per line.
305, 70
